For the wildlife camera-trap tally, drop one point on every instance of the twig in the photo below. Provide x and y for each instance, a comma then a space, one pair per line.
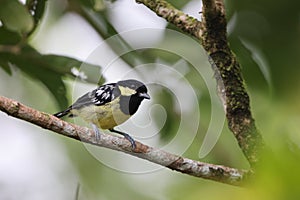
217, 173
77, 191
183, 21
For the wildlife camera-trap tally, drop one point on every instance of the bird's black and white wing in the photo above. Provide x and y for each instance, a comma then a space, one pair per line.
100, 96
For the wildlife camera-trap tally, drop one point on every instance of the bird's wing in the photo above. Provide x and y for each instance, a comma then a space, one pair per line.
100, 96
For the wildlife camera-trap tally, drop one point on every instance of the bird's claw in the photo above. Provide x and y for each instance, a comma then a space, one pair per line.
128, 137
97, 132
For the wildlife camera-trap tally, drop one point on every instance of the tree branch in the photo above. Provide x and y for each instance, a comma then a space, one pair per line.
199, 169
230, 81
213, 37
183, 21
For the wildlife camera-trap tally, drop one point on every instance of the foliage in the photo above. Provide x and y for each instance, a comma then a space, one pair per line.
18, 23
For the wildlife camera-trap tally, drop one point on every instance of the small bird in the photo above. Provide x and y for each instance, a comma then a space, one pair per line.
109, 105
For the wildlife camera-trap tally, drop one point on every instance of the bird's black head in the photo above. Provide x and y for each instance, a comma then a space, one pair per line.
133, 92
133, 87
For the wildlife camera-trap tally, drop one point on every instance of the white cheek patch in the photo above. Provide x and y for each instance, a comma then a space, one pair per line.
125, 91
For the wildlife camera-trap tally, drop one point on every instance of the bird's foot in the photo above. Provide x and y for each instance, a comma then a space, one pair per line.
128, 137
97, 132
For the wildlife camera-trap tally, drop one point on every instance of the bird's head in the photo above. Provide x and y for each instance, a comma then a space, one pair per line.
133, 92
133, 88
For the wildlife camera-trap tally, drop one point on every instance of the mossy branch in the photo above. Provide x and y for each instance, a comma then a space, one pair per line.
230, 81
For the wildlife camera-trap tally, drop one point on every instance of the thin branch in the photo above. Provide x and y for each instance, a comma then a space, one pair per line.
183, 21
211, 32
199, 169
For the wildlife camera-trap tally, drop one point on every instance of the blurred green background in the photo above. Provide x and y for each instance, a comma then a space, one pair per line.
54, 51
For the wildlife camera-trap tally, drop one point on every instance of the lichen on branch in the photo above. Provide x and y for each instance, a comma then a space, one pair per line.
230, 81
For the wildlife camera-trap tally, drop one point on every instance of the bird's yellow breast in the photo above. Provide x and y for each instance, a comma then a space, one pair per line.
105, 116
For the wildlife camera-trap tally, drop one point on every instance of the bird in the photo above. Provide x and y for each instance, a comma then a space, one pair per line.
109, 105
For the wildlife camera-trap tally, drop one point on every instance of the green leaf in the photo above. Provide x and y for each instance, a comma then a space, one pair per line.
96, 5
51, 79
65, 65
15, 17
5, 66
37, 9
70, 66
50, 70
8, 37
87, 3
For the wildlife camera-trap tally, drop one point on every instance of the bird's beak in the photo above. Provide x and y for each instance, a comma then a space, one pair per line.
144, 95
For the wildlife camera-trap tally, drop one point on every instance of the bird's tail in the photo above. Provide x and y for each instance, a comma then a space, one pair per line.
62, 113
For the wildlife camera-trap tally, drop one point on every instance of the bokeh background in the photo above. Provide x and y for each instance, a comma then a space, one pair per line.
41, 52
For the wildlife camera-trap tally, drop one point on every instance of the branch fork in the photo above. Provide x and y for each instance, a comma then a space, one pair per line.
211, 32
